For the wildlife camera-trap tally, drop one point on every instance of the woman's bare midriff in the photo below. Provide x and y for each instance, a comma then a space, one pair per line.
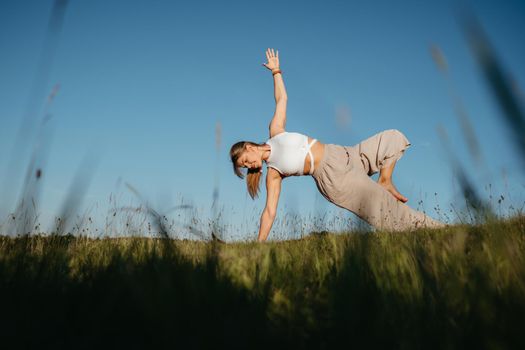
317, 152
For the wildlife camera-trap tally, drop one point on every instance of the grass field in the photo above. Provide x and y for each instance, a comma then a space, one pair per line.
459, 287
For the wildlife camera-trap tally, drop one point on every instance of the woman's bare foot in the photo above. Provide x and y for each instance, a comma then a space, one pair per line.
389, 186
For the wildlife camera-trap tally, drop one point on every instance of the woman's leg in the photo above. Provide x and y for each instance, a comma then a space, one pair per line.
380, 152
385, 180
342, 180
372, 201
374, 204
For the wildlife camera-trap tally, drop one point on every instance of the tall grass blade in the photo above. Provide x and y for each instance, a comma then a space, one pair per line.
38, 88
497, 81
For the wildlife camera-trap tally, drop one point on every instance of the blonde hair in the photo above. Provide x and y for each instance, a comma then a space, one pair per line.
253, 176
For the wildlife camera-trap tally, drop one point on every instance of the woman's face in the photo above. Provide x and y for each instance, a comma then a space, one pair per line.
250, 159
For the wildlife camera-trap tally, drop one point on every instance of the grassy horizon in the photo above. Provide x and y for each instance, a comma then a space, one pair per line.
462, 286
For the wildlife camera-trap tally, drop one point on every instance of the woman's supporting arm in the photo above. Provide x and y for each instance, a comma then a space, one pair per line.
266, 225
273, 189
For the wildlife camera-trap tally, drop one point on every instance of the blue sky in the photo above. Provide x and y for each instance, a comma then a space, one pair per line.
144, 83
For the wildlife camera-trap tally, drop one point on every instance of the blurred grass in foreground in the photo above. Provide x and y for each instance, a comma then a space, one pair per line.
462, 286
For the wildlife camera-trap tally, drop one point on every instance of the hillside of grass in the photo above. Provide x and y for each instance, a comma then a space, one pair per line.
462, 286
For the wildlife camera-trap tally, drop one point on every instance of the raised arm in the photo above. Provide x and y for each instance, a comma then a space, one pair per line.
273, 189
278, 123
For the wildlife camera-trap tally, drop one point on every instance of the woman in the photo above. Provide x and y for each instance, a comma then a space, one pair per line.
341, 173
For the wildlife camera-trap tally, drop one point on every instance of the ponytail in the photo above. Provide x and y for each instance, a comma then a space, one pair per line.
253, 176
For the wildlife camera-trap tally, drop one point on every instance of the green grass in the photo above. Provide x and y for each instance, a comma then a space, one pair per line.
463, 286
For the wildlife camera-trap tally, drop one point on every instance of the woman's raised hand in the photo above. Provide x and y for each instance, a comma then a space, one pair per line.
273, 59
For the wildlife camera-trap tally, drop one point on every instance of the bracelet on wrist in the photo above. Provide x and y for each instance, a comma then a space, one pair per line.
276, 71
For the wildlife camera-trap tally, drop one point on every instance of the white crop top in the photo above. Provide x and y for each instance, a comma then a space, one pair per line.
288, 150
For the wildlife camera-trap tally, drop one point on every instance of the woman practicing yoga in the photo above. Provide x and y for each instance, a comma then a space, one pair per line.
341, 173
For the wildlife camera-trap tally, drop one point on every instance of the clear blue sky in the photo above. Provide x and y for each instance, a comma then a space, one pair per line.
143, 83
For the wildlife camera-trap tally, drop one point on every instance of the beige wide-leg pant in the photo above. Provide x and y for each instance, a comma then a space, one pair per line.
343, 177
